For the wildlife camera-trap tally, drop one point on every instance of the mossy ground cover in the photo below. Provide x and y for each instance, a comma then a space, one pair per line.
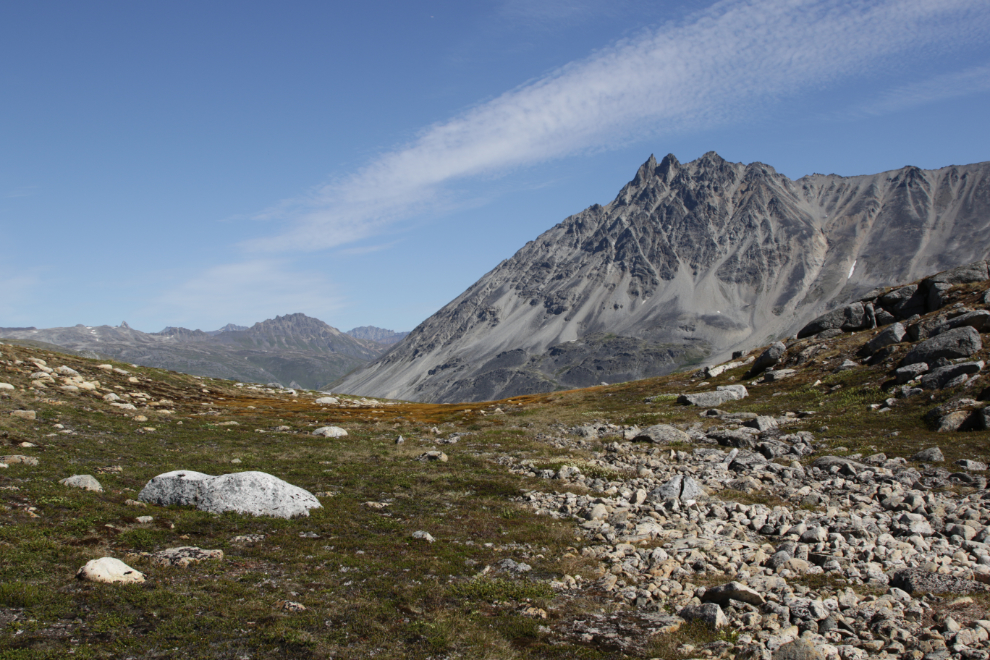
368, 588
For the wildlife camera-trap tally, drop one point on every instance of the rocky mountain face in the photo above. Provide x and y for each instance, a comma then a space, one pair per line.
688, 263
291, 349
380, 335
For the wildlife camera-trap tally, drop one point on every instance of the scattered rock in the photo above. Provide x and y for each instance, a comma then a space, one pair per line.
938, 379
856, 316
768, 358
327, 401
330, 432
888, 337
109, 570
184, 556
930, 455
662, 434
13, 459
252, 493
709, 613
84, 481
916, 580
956, 343
425, 536
733, 591
290, 606
798, 649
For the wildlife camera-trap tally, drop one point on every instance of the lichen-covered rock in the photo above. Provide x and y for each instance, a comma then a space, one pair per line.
253, 493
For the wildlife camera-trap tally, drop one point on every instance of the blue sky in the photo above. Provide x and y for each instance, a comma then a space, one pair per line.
197, 164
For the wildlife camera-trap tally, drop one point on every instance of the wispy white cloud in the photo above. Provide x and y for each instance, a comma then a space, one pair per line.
974, 80
247, 292
717, 66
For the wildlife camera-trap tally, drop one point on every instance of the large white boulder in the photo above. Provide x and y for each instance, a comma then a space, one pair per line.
109, 569
253, 493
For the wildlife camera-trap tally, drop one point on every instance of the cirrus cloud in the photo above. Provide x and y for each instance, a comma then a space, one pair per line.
718, 66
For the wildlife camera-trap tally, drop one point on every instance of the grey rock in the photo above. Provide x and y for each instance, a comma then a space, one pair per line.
827, 462
798, 649
423, 536
889, 336
184, 556
910, 372
972, 272
769, 357
252, 493
761, 423
884, 317
917, 580
738, 591
967, 464
713, 399
953, 421
904, 302
955, 343
709, 613
849, 318
978, 320
662, 434
679, 488
940, 378
938, 296
84, 481
930, 455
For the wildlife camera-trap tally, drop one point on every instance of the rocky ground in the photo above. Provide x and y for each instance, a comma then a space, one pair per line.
823, 498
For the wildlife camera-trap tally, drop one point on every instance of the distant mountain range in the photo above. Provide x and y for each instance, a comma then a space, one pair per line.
689, 262
293, 350
380, 335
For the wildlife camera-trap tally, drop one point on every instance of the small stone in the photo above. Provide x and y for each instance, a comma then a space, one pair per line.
109, 570
84, 481
290, 606
426, 536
